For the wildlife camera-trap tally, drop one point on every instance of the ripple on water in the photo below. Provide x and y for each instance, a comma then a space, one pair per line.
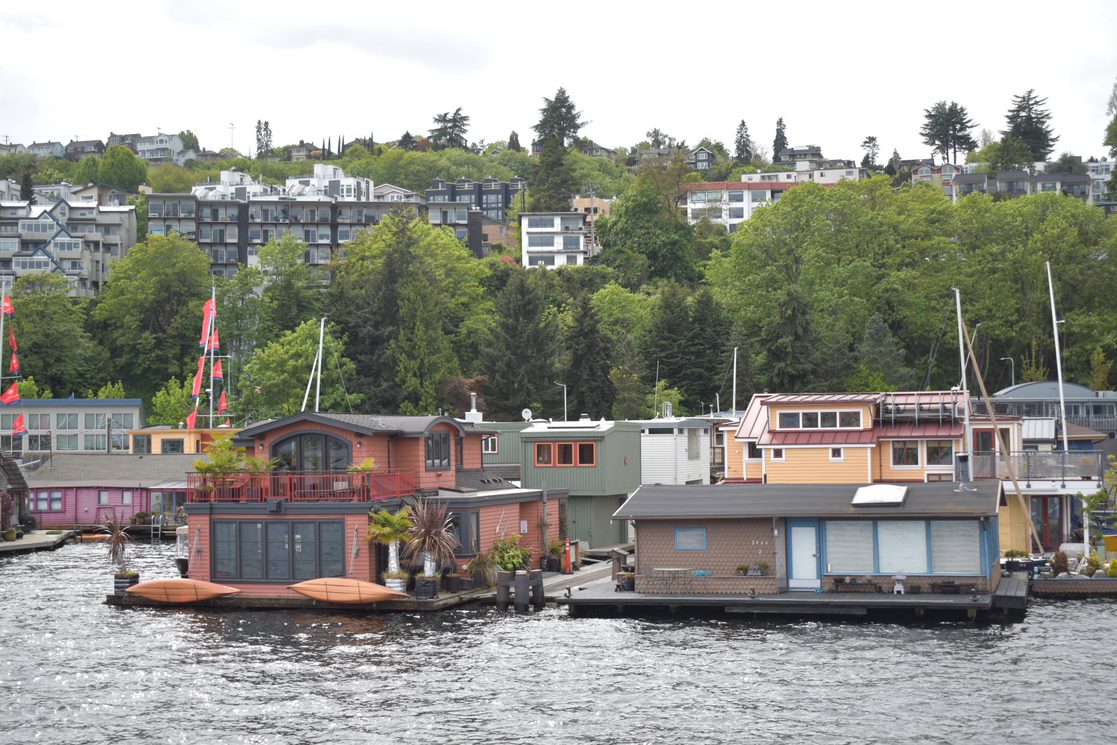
73, 670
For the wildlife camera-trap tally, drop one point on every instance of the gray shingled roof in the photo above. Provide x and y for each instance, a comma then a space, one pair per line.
92, 470
363, 423
803, 500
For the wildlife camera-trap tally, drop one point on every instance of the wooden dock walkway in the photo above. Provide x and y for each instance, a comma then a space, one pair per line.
36, 540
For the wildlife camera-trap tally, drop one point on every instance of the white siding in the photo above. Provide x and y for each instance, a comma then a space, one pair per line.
664, 459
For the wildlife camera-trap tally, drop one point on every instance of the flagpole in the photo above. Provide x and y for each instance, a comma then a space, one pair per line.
209, 339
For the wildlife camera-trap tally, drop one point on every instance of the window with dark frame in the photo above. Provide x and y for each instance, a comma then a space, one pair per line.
905, 453
438, 450
278, 550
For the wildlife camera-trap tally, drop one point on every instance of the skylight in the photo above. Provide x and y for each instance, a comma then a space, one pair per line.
880, 495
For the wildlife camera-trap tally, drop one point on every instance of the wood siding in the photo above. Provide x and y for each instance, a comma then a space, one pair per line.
79, 505
813, 466
734, 458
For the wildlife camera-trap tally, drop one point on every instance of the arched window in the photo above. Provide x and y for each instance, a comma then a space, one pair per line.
312, 452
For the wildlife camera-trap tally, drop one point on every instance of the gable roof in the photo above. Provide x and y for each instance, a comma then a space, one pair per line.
936, 499
104, 470
364, 424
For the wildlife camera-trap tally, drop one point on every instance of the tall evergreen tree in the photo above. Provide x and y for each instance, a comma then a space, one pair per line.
558, 118
1028, 122
555, 183
26, 187
780, 143
742, 145
514, 142
872, 150
587, 378
424, 358
519, 360
705, 339
450, 129
893, 165
407, 142
947, 129
785, 337
666, 350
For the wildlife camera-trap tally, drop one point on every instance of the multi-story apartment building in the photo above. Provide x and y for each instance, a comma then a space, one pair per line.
1020, 183
448, 203
232, 219
730, 203
9, 190
47, 149
92, 425
78, 240
161, 148
1100, 172
593, 207
553, 239
78, 149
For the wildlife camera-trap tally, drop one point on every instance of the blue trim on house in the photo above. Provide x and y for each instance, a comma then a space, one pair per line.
805, 522
988, 546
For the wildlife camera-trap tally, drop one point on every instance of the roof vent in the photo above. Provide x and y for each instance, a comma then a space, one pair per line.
584, 418
880, 495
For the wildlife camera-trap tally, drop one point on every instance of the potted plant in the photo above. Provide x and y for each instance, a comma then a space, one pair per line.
390, 528
480, 568
553, 560
430, 537
1013, 558
762, 569
117, 541
453, 582
742, 569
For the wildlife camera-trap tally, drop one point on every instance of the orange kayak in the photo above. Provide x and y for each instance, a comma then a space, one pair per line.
346, 590
180, 590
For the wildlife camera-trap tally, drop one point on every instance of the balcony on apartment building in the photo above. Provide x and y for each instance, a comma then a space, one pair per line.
1029, 465
324, 486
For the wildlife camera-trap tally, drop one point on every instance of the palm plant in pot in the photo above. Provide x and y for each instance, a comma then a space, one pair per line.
117, 541
431, 537
390, 528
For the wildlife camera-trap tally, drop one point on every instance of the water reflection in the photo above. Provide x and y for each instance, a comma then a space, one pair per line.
76, 671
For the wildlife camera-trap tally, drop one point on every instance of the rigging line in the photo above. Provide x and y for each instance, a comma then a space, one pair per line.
342, 378
935, 349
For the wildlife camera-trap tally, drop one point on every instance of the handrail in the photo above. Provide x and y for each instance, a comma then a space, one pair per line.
324, 486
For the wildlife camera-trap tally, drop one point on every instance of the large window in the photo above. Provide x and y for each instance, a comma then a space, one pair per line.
172, 445
48, 501
438, 450
490, 445
849, 547
466, 527
278, 550
66, 421
540, 241
819, 419
940, 452
905, 453
944, 547
312, 452
902, 547
66, 442
141, 444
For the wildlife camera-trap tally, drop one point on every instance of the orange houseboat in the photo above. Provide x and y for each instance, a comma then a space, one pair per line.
309, 517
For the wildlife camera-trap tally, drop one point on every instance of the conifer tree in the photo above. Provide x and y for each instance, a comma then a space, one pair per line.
587, 378
742, 145
666, 344
514, 142
780, 143
1028, 122
558, 118
554, 180
706, 341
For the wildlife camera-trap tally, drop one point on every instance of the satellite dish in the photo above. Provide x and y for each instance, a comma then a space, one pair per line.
526, 414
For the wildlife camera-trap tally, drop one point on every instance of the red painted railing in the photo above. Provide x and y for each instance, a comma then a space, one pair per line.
343, 486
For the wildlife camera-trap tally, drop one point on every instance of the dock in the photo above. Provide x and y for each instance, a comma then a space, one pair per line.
1074, 588
36, 540
1007, 604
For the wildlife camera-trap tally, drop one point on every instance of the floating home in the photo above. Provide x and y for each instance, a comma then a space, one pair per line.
310, 517
597, 464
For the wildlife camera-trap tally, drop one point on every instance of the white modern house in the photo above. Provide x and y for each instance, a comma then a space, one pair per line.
674, 450
730, 203
553, 239
161, 148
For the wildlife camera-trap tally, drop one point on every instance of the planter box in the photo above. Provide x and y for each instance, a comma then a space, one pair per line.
120, 585
453, 584
946, 588
467, 583
426, 588
866, 587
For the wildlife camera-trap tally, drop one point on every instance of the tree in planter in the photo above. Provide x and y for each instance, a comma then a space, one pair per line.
118, 539
509, 555
390, 528
431, 535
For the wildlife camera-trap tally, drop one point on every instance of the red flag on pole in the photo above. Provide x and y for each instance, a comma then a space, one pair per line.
9, 309
208, 311
217, 374
13, 367
12, 339
222, 405
214, 341
197, 389
10, 396
192, 419
18, 427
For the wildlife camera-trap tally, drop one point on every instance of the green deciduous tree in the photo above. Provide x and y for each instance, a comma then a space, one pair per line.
558, 119
642, 225
275, 379
172, 403
150, 314
88, 170
292, 293
1029, 122
53, 343
121, 168
189, 141
1100, 368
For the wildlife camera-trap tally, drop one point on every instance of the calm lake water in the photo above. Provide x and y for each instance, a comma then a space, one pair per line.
73, 670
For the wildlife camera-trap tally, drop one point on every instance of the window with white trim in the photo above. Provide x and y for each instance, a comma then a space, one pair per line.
837, 455
490, 445
777, 454
905, 453
940, 452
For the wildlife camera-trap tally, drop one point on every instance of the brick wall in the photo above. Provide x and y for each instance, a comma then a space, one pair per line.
729, 544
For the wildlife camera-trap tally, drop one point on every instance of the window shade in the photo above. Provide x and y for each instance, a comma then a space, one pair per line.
849, 547
955, 547
902, 546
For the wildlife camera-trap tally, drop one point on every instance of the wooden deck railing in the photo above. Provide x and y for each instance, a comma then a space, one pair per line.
342, 486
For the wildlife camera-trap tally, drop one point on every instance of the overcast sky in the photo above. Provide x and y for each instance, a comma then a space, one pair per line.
835, 71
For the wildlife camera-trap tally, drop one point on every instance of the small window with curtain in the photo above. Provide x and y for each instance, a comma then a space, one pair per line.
837, 455
543, 454
564, 454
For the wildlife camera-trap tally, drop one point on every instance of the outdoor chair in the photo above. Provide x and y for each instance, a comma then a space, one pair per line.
700, 579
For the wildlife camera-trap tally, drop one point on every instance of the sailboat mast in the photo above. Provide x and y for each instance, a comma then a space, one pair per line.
734, 404
967, 472
321, 339
1058, 358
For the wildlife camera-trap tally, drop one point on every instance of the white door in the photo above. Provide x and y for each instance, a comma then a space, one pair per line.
804, 558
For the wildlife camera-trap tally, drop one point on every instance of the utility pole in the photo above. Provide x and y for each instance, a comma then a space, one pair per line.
564, 414
231, 128
1012, 368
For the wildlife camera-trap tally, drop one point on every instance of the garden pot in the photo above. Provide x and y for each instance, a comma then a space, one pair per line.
120, 585
480, 579
467, 583
426, 588
453, 584
397, 584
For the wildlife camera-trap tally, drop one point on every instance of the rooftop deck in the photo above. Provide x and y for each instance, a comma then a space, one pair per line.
341, 486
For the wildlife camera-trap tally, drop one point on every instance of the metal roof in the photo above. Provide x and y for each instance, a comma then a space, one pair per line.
754, 423
940, 499
123, 470
819, 437
361, 423
1039, 428
1043, 390
823, 398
